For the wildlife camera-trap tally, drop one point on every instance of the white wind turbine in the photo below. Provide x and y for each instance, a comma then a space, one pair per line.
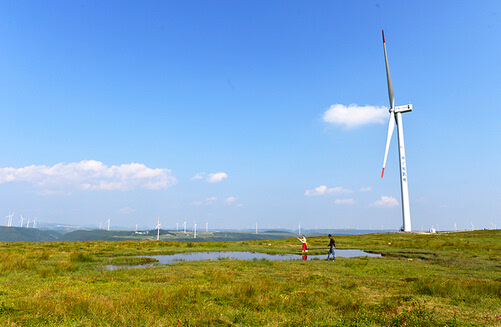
184, 226
299, 227
108, 222
28, 224
22, 220
9, 219
396, 114
158, 229
35, 222
195, 229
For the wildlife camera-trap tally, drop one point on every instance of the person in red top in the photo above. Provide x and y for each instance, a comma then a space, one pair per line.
332, 246
303, 240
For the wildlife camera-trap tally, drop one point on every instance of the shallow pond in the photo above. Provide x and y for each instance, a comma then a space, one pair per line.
236, 255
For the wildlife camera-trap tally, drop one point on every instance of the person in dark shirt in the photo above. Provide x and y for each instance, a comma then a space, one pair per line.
332, 245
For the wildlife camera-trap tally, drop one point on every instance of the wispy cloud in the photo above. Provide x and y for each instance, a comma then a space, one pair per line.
354, 116
216, 177
210, 200
197, 203
365, 189
89, 175
344, 201
230, 200
323, 190
386, 202
197, 176
127, 210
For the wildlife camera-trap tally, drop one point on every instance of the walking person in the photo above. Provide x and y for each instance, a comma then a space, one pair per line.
332, 246
303, 240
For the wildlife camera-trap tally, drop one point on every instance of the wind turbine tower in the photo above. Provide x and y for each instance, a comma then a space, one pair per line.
28, 224
22, 220
195, 230
108, 222
299, 227
184, 227
158, 229
396, 114
256, 228
35, 222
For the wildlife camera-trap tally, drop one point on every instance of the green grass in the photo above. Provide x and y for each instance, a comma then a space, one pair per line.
449, 279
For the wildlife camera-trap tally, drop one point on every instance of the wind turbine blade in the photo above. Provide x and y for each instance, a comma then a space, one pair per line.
391, 126
388, 77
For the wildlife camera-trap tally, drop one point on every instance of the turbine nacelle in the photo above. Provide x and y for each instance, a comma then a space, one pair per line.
402, 109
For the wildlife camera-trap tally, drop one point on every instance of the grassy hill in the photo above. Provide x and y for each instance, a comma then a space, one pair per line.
18, 234
165, 235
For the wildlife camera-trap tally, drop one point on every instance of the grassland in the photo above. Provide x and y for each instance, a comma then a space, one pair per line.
447, 279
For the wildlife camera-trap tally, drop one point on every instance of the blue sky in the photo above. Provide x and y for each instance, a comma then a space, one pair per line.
242, 112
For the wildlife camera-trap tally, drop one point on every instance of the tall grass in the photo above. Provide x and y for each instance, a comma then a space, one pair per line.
66, 284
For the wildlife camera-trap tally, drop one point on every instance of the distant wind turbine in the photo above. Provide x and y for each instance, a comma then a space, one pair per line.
299, 228
108, 222
396, 114
206, 227
22, 220
9, 219
28, 224
35, 222
184, 226
195, 230
158, 229
256, 228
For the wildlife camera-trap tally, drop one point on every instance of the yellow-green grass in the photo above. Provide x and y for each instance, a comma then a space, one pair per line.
447, 279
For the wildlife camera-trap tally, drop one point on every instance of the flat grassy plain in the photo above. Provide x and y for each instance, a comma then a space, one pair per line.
444, 279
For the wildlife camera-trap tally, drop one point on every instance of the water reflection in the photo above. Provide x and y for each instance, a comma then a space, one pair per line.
236, 255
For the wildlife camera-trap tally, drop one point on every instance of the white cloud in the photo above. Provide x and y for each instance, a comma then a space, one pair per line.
354, 115
89, 175
386, 201
365, 189
344, 201
197, 176
216, 177
230, 200
197, 203
323, 190
210, 200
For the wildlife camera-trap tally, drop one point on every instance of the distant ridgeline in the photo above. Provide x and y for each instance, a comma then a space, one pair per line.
18, 234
